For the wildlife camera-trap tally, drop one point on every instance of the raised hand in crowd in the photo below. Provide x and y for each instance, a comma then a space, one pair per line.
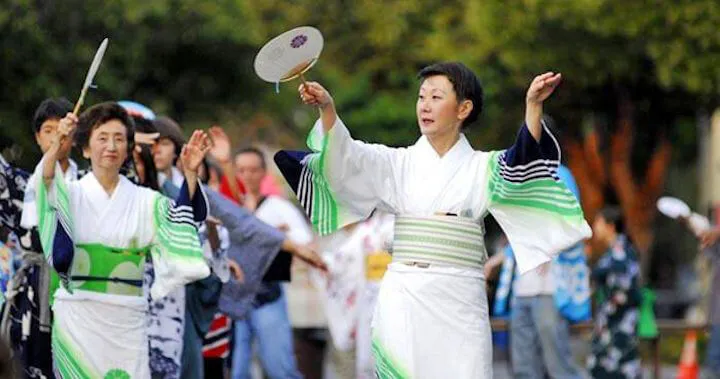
222, 153
192, 156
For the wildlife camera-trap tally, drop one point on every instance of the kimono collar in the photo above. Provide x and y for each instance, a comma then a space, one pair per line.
460, 150
100, 201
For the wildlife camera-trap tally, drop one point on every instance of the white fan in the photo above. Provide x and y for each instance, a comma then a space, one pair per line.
673, 207
289, 55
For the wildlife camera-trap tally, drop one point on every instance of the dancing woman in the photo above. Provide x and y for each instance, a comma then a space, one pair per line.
431, 319
96, 233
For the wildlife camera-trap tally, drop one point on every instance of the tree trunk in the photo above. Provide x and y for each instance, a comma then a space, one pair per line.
597, 171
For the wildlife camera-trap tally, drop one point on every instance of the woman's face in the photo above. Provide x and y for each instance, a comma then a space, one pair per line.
438, 111
108, 146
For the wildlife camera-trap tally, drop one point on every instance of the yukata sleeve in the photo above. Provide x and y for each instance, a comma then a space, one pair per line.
54, 221
539, 214
342, 180
253, 245
176, 251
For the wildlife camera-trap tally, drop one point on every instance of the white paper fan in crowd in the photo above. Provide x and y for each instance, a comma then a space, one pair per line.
673, 207
289, 55
92, 71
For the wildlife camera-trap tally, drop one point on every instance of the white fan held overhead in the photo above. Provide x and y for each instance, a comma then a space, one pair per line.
94, 66
673, 207
290, 55
677, 209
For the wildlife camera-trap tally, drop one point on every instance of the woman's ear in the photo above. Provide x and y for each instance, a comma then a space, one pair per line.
464, 109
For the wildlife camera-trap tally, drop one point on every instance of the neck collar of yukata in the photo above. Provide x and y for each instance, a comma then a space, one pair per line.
459, 149
92, 180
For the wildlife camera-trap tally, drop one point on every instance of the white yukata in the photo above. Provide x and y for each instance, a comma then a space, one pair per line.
29, 215
98, 244
431, 319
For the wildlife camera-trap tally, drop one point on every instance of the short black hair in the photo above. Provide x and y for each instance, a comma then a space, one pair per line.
465, 83
100, 114
169, 128
143, 125
50, 108
256, 151
151, 174
613, 215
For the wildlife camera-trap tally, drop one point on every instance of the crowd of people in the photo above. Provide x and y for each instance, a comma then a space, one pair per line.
174, 257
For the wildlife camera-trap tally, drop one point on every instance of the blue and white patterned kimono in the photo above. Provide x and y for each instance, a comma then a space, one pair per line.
615, 343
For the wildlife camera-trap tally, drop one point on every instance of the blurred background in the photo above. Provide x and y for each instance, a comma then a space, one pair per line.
637, 109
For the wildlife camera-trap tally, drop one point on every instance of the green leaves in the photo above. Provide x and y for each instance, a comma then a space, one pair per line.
193, 59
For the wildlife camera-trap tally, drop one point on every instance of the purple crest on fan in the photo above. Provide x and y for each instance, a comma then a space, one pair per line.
298, 41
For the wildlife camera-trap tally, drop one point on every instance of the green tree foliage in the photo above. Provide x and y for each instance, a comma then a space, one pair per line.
178, 57
193, 59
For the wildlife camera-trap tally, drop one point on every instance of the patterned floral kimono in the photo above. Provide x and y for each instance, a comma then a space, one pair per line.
615, 343
166, 316
357, 261
26, 314
98, 244
431, 319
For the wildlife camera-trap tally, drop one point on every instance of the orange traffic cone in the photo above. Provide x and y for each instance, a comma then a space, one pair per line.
688, 367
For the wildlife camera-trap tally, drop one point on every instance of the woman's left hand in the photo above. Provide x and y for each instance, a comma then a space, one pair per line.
194, 151
542, 87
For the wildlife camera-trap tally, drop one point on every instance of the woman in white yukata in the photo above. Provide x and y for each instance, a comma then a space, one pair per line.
431, 319
96, 233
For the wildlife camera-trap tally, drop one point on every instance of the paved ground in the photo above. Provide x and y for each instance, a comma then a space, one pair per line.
501, 371
579, 347
501, 367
